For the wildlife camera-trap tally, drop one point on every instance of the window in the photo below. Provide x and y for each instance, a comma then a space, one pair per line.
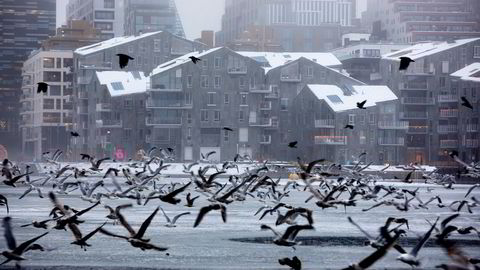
188, 98
189, 81
67, 62
204, 115
243, 134
351, 119
309, 71
205, 63
362, 137
189, 117
361, 119
157, 45
50, 76
189, 134
217, 62
211, 99
241, 82
226, 98
474, 93
204, 81
109, 3
445, 66
48, 103
243, 100
49, 62
127, 134
55, 90
59, 62
104, 15
241, 116
225, 135
216, 116
216, 82
442, 81
476, 51
127, 103
284, 104
104, 26
372, 118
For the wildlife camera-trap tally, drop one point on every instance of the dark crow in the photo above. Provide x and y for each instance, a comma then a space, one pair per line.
227, 129
42, 87
74, 134
194, 59
293, 144
466, 103
349, 126
294, 262
123, 60
361, 104
405, 62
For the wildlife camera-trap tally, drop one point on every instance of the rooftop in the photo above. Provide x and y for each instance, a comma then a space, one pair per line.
469, 73
121, 83
338, 101
181, 60
426, 49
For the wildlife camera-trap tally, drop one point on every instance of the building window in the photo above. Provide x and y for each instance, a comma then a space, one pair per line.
108, 3
127, 103
476, 52
204, 81
351, 119
157, 45
108, 26
59, 62
241, 82
211, 99
104, 15
216, 82
216, 116
217, 62
243, 100
204, 115
48, 103
205, 63
189, 117
226, 98
442, 81
51, 76
372, 118
189, 81
188, 98
49, 62
361, 119
444, 66
225, 135
309, 71
284, 104
55, 90
241, 116
189, 134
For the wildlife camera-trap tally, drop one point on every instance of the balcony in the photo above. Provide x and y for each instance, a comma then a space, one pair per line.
266, 106
393, 124
291, 77
391, 141
103, 107
261, 122
447, 98
448, 143
83, 79
237, 70
418, 129
162, 88
447, 129
272, 95
472, 128
260, 89
325, 123
167, 122
418, 101
266, 139
449, 113
167, 104
82, 110
98, 66
331, 140
82, 95
413, 115
471, 143
413, 86
109, 123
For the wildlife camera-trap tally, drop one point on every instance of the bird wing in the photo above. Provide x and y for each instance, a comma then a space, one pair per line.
123, 221
178, 191
266, 227
444, 222
89, 235
175, 218
292, 231
145, 224
470, 190
422, 241
81, 212
11, 243
75, 230
203, 211
102, 230
215, 175
165, 215
360, 229
313, 163
378, 254
23, 246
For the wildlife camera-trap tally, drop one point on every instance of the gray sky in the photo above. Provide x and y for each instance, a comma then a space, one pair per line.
196, 15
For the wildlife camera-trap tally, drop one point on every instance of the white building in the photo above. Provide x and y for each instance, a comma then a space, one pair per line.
45, 116
106, 15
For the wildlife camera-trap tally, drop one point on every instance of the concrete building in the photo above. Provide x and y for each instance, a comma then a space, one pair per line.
422, 20
105, 15
323, 111
362, 61
142, 16
24, 25
295, 25
148, 50
430, 97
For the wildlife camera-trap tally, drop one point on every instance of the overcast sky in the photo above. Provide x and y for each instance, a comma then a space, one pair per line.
196, 15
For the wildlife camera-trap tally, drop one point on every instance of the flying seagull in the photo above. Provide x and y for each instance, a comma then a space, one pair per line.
466, 103
123, 60
42, 87
361, 105
4, 201
405, 62
204, 210
171, 222
194, 59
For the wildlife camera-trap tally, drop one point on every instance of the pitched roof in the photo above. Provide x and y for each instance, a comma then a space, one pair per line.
425, 49
111, 43
338, 101
469, 73
121, 83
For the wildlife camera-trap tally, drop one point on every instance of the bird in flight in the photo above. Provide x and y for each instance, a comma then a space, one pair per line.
349, 126
194, 59
466, 103
4, 201
123, 60
361, 105
42, 87
293, 144
227, 129
405, 62
74, 134
293, 263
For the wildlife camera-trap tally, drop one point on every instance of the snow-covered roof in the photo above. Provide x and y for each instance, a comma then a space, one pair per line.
425, 49
111, 43
121, 83
469, 73
335, 97
181, 60
272, 60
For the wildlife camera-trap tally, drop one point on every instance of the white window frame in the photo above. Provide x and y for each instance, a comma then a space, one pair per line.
204, 79
215, 84
215, 118
476, 51
211, 97
203, 113
189, 81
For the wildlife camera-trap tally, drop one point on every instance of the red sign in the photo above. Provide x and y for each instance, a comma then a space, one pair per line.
119, 154
3, 152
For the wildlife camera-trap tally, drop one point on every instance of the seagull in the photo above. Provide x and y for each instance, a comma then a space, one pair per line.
15, 252
39, 224
293, 144
190, 200
289, 236
206, 156
194, 59
361, 105
30, 189
293, 263
82, 240
4, 201
171, 222
204, 210
348, 126
466, 103
74, 134
405, 62
123, 60
42, 87
170, 197
12, 180
96, 165
471, 189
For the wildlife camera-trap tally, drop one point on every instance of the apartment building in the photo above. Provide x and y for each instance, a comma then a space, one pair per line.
430, 97
321, 113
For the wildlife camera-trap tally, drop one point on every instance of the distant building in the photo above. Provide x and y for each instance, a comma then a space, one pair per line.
24, 25
105, 15
142, 16
430, 100
422, 20
207, 38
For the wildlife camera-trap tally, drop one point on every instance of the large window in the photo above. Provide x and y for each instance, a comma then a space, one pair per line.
476, 52
104, 26
204, 115
204, 81
109, 3
211, 99
67, 62
217, 82
104, 15
55, 90
49, 62
48, 104
284, 104
51, 76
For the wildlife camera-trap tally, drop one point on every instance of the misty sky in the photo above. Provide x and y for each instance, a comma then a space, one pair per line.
196, 15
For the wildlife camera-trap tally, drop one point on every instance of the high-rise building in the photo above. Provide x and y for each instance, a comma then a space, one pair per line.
422, 20
142, 16
105, 15
296, 25
23, 26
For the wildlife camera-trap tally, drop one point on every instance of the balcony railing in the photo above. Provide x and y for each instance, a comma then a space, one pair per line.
161, 104
325, 123
447, 98
100, 65
151, 121
472, 128
162, 88
331, 140
261, 122
393, 124
448, 143
82, 95
260, 89
447, 128
237, 70
449, 113
391, 141
103, 107
413, 115
291, 78
109, 123
265, 106
418, 101
272, 95
266, 139
418, 129
83, 79
413, 86
471, 143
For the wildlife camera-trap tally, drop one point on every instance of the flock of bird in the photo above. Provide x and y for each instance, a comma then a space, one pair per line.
328, 184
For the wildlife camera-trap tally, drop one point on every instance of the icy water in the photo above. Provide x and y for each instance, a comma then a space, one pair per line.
209, 246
